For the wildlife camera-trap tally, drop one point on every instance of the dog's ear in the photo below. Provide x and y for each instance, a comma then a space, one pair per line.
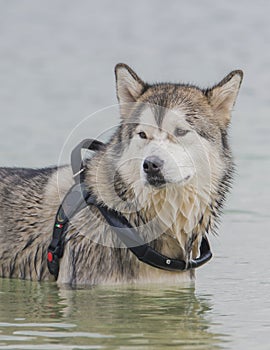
223, 95
129, 87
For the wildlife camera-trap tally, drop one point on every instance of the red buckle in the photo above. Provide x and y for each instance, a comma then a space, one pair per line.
50, 257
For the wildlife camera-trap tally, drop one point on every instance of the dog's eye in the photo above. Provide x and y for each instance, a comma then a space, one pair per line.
142, 135
180, 132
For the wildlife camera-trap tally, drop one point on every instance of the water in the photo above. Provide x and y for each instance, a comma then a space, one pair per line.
123, 317
56, 68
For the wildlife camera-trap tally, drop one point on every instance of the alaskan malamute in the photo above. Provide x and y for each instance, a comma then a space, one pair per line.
166, 169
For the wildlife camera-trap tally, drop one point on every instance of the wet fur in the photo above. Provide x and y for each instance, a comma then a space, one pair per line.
182, 214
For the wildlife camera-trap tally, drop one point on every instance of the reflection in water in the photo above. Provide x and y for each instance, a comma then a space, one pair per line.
33, 301
136, 317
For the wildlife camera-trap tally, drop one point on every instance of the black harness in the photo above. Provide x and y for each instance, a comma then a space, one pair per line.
78, 198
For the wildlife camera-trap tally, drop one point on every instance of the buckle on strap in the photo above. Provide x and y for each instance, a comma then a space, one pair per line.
53, 262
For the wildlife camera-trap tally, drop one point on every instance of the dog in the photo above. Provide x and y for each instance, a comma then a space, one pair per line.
166, 169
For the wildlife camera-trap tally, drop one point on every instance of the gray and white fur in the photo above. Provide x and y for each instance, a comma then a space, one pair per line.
167, 169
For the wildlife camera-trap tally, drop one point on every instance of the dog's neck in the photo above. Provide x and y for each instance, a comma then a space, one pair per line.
178, 212
174, 217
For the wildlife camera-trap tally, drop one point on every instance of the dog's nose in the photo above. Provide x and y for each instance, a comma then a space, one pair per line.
152, 165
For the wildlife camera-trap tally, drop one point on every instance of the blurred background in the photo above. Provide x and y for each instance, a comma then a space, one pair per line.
57, 60
57, 63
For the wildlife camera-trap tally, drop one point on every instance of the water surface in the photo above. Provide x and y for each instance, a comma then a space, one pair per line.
152, 317
56, 68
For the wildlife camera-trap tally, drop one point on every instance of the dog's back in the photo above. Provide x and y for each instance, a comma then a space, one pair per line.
22, 222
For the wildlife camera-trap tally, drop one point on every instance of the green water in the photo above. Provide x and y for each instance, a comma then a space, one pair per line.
40, 316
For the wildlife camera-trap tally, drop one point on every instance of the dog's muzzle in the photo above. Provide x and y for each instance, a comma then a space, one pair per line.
152, 167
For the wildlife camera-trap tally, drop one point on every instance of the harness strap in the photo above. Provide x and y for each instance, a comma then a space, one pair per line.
76, 157
78, 198
144, 252
73, 202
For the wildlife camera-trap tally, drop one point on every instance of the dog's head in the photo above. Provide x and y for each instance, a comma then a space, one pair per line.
169, 162
174, 134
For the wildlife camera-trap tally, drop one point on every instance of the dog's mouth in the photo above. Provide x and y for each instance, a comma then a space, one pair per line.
156, 181
160, 182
